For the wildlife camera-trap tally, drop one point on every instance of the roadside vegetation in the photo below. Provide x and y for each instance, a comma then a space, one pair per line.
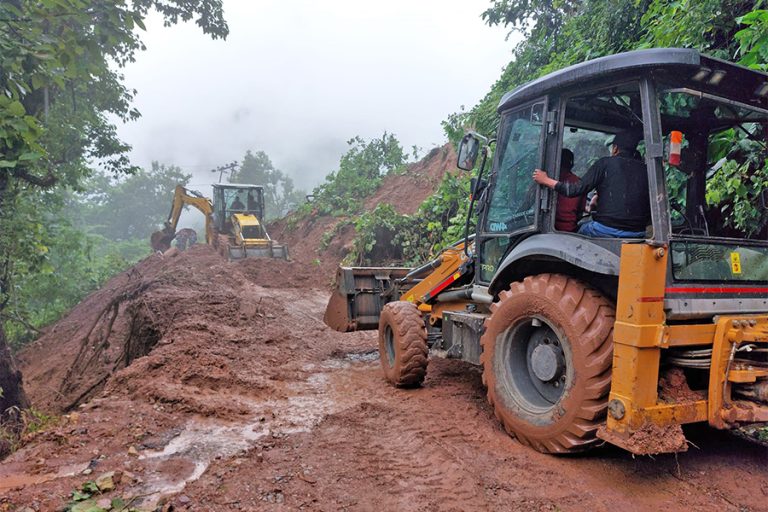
560, 34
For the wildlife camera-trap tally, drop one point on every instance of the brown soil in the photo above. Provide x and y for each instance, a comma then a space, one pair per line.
408, 190
405, 192
246, 401
213, 385
673, 387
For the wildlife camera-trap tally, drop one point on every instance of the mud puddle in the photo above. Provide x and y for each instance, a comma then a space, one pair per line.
329, 389
21, 480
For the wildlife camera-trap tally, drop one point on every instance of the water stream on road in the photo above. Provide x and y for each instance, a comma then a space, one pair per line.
200, 442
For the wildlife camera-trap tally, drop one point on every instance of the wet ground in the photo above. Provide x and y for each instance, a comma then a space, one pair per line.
248, 402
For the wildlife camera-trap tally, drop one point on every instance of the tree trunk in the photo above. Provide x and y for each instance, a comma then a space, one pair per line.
12, 395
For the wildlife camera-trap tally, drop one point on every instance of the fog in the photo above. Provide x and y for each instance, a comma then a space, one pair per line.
298, 78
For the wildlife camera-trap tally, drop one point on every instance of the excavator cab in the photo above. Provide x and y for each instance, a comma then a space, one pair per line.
583, 338
238, 211
230, 199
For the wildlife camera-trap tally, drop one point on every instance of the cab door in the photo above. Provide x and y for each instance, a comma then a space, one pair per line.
511, 206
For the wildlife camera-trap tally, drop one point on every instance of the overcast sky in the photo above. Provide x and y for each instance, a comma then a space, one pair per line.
298, 78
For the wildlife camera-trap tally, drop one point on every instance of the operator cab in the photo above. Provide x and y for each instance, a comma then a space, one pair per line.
704, 124
231, 198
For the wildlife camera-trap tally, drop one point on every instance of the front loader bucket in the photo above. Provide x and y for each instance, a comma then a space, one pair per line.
360, 294
238, 252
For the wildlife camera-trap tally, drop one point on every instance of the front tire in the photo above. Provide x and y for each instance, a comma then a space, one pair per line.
547, 355
403, 344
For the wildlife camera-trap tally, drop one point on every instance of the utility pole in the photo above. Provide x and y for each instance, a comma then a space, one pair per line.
225, 168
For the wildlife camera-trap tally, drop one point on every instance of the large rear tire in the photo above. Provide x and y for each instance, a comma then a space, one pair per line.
403, 344
547, 355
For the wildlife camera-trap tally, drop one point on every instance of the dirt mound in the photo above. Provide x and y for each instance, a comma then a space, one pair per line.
321, 242
194, 297
405, 192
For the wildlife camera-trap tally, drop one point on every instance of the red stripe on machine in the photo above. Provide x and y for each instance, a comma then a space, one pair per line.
437, 289
650, 299
717, 290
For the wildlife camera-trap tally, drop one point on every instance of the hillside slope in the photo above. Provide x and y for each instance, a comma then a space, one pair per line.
405, 192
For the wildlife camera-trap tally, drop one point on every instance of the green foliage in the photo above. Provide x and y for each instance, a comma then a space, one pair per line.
129, 207
559, 33
753, 40
31, 422
280, 195
56, 51
359, 175
735, 188
706, 25
565, 32
60, 90
71, 265
383, 237
386, 237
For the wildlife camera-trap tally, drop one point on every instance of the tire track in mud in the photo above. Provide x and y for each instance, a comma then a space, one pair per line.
439, 448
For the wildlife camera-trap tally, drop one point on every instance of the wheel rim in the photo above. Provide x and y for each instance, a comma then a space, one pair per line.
534, 359
389, 345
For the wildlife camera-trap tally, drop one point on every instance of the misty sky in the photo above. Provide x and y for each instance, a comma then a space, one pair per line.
298, 78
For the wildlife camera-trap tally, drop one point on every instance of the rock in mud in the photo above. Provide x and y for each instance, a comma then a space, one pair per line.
104, 503
106, 482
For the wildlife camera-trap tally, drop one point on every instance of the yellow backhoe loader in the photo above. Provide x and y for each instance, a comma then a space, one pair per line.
232, 221
584, 338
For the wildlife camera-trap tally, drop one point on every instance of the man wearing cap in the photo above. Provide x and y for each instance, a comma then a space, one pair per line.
621, 181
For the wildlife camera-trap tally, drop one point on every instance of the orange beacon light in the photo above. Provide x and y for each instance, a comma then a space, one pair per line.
675, 146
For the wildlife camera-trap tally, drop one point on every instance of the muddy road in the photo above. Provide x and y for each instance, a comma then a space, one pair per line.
244, 400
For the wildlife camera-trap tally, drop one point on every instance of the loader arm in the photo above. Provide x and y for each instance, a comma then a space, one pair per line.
161, 240
362, 292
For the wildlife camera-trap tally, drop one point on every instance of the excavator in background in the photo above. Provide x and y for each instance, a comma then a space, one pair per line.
585, 339
232, 221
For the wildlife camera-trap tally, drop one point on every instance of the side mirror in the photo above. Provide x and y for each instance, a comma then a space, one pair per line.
468, 151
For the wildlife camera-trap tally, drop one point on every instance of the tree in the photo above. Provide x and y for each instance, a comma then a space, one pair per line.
360, 172
131, 207
562, 33
58, 86
280, 195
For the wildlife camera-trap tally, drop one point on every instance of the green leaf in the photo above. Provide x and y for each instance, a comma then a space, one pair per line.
80, 496
16, 109
118, 504
7, 164
90, 486
29, 156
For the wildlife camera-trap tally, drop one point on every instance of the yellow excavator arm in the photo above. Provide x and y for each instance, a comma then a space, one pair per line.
161, 240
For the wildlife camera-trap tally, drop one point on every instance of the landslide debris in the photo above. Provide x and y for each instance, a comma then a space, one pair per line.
193, 297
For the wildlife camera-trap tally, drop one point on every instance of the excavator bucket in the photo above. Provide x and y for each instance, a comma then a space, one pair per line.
161, 240
360, 294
